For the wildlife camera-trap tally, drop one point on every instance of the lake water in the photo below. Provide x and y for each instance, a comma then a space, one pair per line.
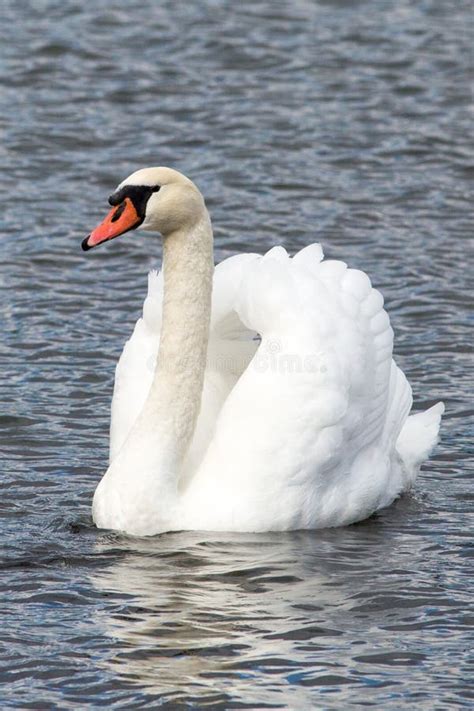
337, 121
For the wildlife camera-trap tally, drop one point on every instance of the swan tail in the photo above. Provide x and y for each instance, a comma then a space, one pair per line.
418, 438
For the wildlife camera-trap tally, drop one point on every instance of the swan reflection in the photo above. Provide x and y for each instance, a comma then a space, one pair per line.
192, 615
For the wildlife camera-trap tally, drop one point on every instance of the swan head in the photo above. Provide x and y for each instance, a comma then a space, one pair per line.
154, 199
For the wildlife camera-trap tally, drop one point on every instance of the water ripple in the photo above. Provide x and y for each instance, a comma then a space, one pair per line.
329, 120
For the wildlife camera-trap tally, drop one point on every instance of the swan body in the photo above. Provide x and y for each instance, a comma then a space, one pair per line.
260, 395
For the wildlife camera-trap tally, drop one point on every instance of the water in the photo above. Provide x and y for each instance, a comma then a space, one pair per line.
344, 122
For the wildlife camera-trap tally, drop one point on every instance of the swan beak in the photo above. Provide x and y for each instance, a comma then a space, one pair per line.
119, 220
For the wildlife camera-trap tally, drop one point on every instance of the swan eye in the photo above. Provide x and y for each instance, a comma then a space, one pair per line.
138, 194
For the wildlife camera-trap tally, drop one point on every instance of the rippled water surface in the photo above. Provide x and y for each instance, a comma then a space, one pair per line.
344, 122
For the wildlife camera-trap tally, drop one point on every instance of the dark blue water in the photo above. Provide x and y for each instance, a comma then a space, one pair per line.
343, 122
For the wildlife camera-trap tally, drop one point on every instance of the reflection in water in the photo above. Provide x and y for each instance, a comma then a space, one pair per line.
206, 613
199, 614
344, 122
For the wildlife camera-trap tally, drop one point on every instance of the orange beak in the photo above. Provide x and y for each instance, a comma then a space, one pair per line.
119, 220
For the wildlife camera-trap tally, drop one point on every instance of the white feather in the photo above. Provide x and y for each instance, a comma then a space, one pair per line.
306, 427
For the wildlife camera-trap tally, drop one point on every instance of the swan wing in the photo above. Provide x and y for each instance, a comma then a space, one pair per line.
135, 368
307, 435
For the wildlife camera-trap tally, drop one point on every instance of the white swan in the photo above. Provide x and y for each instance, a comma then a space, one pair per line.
278, 408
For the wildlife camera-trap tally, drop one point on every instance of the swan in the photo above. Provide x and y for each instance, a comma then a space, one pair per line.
258, 395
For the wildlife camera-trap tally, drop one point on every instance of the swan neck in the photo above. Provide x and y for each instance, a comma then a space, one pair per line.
179, 375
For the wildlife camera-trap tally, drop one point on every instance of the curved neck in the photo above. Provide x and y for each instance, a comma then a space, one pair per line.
174, 400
